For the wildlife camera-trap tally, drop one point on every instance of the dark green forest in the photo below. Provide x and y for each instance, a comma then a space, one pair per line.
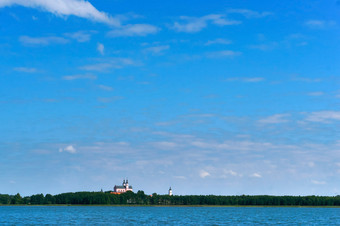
140, 198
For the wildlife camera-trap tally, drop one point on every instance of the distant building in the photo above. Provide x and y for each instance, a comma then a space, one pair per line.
170, 191
118, 189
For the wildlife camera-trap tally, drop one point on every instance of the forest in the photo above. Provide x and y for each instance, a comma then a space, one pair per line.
140, 198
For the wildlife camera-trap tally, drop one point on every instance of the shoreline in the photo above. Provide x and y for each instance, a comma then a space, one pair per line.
136, 205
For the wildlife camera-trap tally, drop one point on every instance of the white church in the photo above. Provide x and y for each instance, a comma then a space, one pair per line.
118, 189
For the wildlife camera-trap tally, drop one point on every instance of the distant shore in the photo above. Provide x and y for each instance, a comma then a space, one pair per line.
141, 199
135, 205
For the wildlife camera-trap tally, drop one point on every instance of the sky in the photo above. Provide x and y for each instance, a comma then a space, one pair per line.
209, 97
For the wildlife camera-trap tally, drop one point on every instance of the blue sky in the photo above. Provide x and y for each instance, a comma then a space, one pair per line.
217, 97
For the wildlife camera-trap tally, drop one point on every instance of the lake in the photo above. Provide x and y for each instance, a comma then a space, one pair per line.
113, 215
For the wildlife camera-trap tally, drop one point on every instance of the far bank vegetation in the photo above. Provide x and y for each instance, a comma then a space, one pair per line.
140, 198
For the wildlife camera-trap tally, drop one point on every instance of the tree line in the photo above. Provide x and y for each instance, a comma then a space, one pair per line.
140, 198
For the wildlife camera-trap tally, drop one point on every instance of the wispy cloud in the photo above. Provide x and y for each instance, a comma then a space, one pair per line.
320, 24
219, 41
275, 119
106, 88
223, 53
231, 173
265, 46
306, 79
245, 79
100, 48
134, 30
318, 182
157, 50
109, 99
233, 145
315, 94
256, 175
196, 24
25, 69
109, 63
75, 77
204, 174
42, 41
79, 8
295, 39
99, 67
164, 145
249, 13
80, 36
323, 116
69, 149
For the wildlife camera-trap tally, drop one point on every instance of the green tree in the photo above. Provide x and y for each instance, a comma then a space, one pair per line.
17, 199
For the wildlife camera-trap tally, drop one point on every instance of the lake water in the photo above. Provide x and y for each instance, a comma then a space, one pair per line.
102, 215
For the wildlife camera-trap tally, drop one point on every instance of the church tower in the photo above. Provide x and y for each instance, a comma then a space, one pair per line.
170, 192
127, 184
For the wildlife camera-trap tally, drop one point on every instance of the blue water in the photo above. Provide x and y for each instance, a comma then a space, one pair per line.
101, 215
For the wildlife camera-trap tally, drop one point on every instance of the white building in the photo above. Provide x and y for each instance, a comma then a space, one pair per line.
122, 188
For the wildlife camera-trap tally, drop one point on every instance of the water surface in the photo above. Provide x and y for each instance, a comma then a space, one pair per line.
109, 215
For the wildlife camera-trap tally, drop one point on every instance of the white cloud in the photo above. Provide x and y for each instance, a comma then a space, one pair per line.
255, 79
204, 174
265, 47
99, 67
134, 30
220, 20
80, 36
256, 175
319, 24
164, 145
274, 119
196, 24
193, 25
109, 99
235, 145
157, 50
100, 48
106, 88
318, 182
323, 116
220, 41
304, 79
109, 63
69, 149
315, 94
244, 79
230, 172
25, 69
75, 77
79, 8
42, 41
223, 53
249, 13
